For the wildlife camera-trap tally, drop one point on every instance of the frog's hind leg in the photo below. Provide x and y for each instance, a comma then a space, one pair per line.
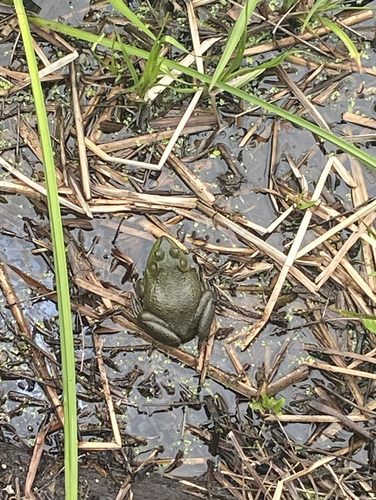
205, 314
158, 329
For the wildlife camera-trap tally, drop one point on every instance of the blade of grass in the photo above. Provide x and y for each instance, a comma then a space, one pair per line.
272, 63
128, 60
287, 4
153, 63
344, 38
315, 8
368, 320
236, 33
169, 39
235, 62
135, 20
168, 65
61, 275
132, 17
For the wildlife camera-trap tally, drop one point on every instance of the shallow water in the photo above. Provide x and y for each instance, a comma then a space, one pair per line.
148, 416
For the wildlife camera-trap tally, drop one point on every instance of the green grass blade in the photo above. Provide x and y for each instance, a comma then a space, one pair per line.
240, 80
153, 63
85, 36
318, 4
343, 37
132, 17
169, 39
136, 21
272, 63
62, 285
127, 60
236, 61
368, 320
287, 4
370, 324
168, 65
233, 40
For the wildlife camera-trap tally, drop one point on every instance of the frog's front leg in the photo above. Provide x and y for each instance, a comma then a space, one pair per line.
204, 314
157, 328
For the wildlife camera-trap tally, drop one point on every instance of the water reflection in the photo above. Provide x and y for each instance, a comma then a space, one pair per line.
71, 11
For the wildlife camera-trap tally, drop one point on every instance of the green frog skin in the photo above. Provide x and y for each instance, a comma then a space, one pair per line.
175, 305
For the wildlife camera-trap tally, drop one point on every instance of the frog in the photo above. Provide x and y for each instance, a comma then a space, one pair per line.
174, 306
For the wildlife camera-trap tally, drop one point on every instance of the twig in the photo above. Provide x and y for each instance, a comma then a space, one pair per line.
312, 110
314, 419
114, 159
189, 178
180, 127
35, 460
38, 362
348, 422
358, 215
84, 166
116, 443
262, 245
359, 120
162, 135
351, 240
36, 186
340, 369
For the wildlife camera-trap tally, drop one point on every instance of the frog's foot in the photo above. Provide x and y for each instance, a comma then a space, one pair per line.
204, 314
158, 329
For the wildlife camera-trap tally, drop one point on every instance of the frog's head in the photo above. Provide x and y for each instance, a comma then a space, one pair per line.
166, 256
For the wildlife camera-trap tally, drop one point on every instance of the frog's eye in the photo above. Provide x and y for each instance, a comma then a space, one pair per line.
159, 255
153, 268
174, 252
184, 264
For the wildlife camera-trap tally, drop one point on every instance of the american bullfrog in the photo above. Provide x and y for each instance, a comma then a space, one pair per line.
175, 305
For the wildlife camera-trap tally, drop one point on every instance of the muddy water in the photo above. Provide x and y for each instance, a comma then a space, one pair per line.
149, 415
72, 12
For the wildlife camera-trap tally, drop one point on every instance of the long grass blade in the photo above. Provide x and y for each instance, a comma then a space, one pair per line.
236, 33
344, 38
136, 21
62, 285
132, 17
272, 63
153, 63
128, 60
315, 8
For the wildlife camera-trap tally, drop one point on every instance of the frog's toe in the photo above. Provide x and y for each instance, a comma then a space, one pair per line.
158, 329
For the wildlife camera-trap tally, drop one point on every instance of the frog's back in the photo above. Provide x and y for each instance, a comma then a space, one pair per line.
174, 297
